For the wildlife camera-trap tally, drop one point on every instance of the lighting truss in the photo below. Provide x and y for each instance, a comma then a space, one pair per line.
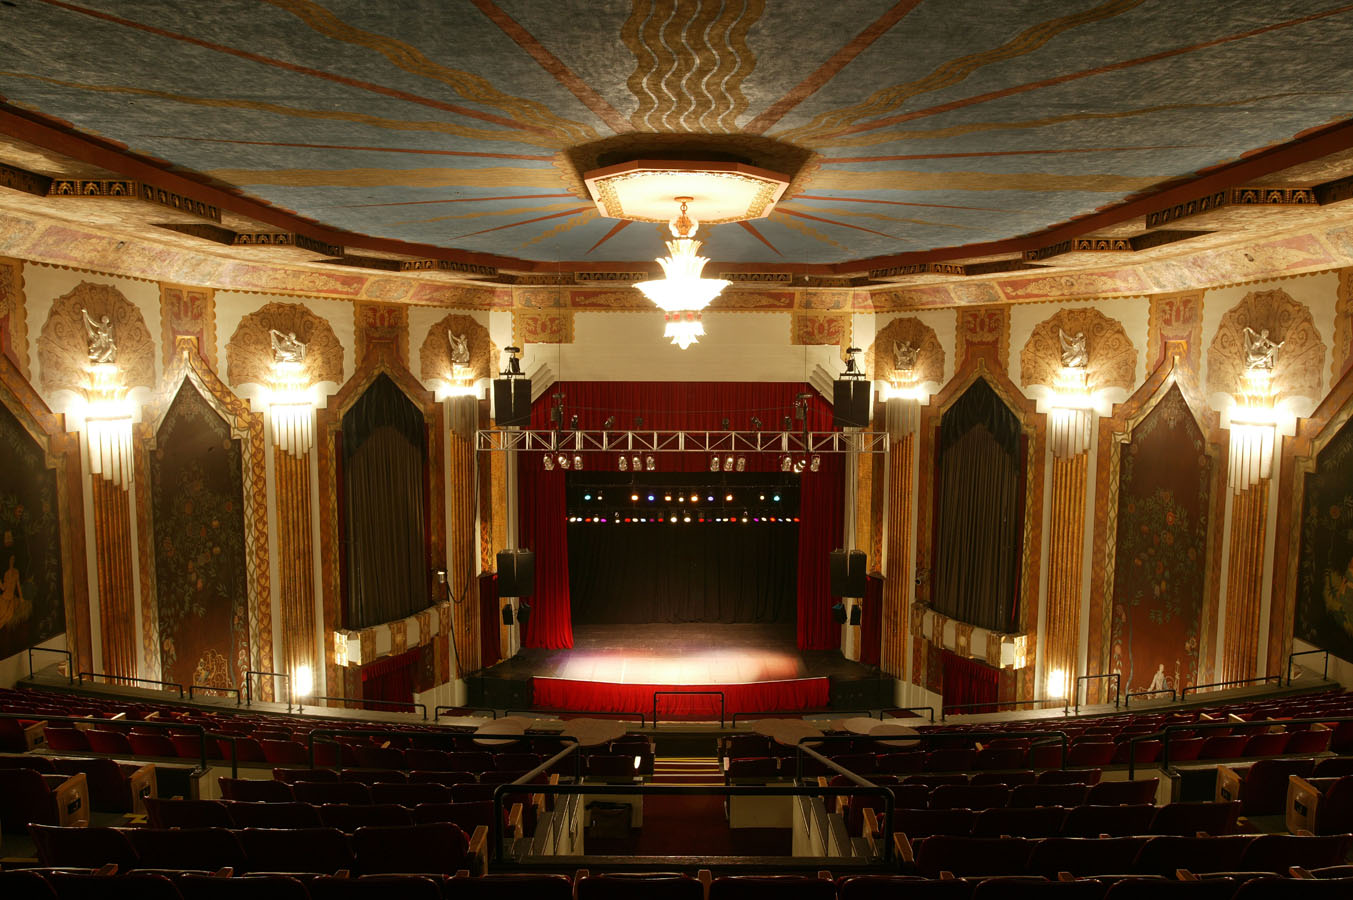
645, 442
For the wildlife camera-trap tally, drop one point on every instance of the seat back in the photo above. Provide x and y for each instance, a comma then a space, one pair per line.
1278, 852
405, 887
349, 817
1264, 789
296, 849
654, 886
1164, 855
257, 887
922, 823
25, 799
415, 849
256, 790
105, 741
781, 887
343, 792
1088, 821
468, 816
1027, 795
246, 814
1112, 793
174, 813
511, 886
84, 848
1190, 818
1042, 821
1084, 856
965, 856
153, 744
969, 796
187, 848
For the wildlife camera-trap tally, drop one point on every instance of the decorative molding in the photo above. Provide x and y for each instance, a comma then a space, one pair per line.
1232, 197
188, 312
13, 315
1342, 352
1113, 358
542, 327
1175, 319
1298, 369
985, 326
63, 350
434, 357
809, 329
382, 323
249, 356
929, 353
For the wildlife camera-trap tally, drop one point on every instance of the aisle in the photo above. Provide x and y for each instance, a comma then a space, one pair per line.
687, 826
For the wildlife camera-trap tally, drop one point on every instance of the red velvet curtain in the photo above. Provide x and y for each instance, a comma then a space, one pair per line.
489, 618
821, 509
390, 678
969, 681
543, 529
762, 696
871, 622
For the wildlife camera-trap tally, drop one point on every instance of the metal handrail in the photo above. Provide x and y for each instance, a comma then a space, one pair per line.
1164, 735
747, 714
1127, 698
1198, 687
946, 710
931, 736
422, 706
70, 662
392, 733
249, 686
93, 675
437, 711
496, 824
723, 708
540, 713
234, 751
929, 709
1117, 689
200, 731
1325, 673
212, 687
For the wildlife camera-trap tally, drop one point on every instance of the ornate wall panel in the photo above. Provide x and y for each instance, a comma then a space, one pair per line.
896, 608
116, 584
1324, 596
1175, 318
880, 358
434, 356
984, 328
1298, 369
188, 312
63, 348
815, 328
1113, 358
1245, 581
1066, 546
462, 574
383, 323
295, 562
249, 356
551, 326
1343, 326
13, 315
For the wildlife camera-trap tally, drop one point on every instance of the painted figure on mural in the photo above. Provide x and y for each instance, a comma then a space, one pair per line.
1339, 596
1074, 354
1260, 352
1158, 682
460, 349
99, 335
904, 356
286, 348
14, 606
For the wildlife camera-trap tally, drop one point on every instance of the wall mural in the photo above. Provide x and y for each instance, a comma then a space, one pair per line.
200, 554
31, 597
1324, 614
1160, 571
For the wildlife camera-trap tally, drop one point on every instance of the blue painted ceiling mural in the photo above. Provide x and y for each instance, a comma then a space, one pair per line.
465, 123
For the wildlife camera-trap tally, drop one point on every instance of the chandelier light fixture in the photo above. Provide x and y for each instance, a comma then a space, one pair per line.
682, 294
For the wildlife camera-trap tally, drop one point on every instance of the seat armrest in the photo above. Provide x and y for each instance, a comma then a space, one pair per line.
871, 823
903, 848
514, 820
141, 784
479, 850
1228, 785
1303, 805
72, 801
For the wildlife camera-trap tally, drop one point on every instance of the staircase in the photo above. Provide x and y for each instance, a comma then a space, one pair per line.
687, 770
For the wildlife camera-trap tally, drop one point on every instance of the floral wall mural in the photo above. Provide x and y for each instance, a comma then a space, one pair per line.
31, 598
1159, 579
200, 554
1324, 614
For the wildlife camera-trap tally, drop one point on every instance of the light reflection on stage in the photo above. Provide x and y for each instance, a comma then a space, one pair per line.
679, 654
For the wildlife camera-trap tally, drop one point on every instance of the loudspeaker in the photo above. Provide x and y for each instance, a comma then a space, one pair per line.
516, 573
856, 614
512, 401
848, 574
507, 614
839, 613
523, 613
850, 403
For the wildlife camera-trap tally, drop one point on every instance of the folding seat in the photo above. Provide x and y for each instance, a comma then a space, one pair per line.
256, 790
934, 781
597, 766
155, 743
652, 886
468, 816
1027, 795
509, 777
87, 848
272, 815
1001, 758
1262, 788
899, 763
29, 797
470, 761
1070, 776
410, 794
371, 777
1226, 746
448, 778
1185, 749
762, 767
189, 746
1266, 744
1163, 855
427, 759
187, 814
1091, 753
1332, 872
1190, 818
1027, 888
369, 757
781, 887
922, 823
1009, 779
1140, 752
964, 856
284, 753
295, 849
1308, 741
525, 762
343, 792
949, 760
1084, 856
893, 887
415, 849
510, 886
1333, 767
738, 745
1278, 852
41, 764
65, 740
255, 887
113, 742
122, 886
291, 776
1089, 821
21, 885
349, 817
1113, 793
1045, 756
1294, 889
911, 796
969, 796
208, 849
1041, 821
1164, 889
378, 887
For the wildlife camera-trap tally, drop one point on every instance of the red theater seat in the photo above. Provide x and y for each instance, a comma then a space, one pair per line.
272, 815
122, 886
1089, 821
1279, 852
897, 887
965, 856
296, 849
381, 887
257, 887
155, 743
781, 887
625, 886
1110, 793
1164, 855
510, 887
188, 814
21, 885
1084, 856
1027, 795
256, 790
1042, 821
969, 796
207, 849
29, 797
1191, 818
410, 794
351, 816
86, 848
342, 792
417, 849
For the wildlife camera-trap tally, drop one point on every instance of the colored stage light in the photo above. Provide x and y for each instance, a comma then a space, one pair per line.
589, 496
634, 496
650, 498
667, 498
776, 498
695, 498
702, 518
710, 498
744, 518
728, 497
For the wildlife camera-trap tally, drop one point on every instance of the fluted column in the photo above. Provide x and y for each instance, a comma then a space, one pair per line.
295, 562
1066, 546
117, 588
1245, 581
902, 419
462, 544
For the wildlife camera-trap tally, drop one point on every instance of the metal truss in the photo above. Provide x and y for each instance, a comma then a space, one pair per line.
707, 442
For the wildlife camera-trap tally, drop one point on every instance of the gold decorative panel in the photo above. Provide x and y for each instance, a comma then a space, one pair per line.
1113, 358
1298, 368
13, 316
188, 312
880, 359
983, 326
435, 353
249, 356
63, 347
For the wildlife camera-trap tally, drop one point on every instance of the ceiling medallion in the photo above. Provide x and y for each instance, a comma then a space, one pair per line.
682, 294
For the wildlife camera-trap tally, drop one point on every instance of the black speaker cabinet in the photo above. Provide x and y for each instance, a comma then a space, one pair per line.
850, 403
516, 573
499, 693
847, 571
512, 401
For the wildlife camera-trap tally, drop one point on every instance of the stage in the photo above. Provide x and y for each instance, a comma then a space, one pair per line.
616, 668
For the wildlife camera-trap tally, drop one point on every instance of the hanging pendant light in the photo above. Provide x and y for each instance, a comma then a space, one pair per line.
682, 294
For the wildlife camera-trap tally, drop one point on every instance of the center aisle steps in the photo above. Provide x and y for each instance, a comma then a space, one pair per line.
697, 825
688, 770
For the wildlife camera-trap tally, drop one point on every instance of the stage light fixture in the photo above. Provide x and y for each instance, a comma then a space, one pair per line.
798, 466
786, 464
728, 498
710, 498
635, 464
634, 497
686, 518
610, 423
761, 497
624, 466
562, 460
573, 423
756, 424
728, 464
648, 463
839, 612
815, 464
589, 497
742, 464
714, 463
650, 498
776, 498
667, 498
578, 462
549, 463
523, 613
695, 498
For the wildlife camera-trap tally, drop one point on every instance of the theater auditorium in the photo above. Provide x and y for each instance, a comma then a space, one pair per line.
697, 449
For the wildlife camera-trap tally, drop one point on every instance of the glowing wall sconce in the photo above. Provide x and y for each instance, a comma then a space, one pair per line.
1254, 418
304, 681
290, 408
108, 426
1058, 684
1069, 413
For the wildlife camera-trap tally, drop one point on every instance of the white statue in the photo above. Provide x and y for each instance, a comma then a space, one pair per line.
1158, 683
1074, 354
286, 348
460, 349
99, 335
1260, 352
904, 356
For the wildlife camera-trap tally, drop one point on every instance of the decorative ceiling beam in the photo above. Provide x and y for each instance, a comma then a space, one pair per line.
1126, 244
1267, 196
279, 239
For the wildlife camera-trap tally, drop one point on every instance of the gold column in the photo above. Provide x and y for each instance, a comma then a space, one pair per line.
295, 563
1244, 581
896, 614
117, 592
462, 580
1065, 554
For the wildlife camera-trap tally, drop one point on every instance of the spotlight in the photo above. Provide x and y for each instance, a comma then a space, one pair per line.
636, 464
789, 424
786, 464
686, 519
650, 498
549, 463
815, 464
798, 467
578, 462
624, 465
728, 464
714, 463
610, 423
756, 424
634, 496
695, 498
776, 498
710, 498
728, 497
761, 497
648, 463
589, 497
562, 460
667, 498
573, 423
742, 464
725, 423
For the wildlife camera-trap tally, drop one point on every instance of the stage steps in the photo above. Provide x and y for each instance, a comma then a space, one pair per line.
687, 770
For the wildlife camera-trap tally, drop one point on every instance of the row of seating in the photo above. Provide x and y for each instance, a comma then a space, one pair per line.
356, 793
469, 815
113, 787
1053, 821
989, 795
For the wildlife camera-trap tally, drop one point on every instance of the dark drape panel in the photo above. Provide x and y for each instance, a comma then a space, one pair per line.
871, 622
489, 619
822, 515
978, 521
969, 681
543, 529
636, 574
390, 678
756, 696
385, 506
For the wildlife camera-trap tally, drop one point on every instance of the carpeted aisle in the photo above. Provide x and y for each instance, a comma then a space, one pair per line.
697, 825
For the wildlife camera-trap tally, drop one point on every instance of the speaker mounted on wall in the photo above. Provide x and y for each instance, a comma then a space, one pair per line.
847, 570
516, 573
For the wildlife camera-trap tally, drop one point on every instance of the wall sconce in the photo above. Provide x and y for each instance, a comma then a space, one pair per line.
1069, 415
1254, 418
1057, 686
108, 426
289, 408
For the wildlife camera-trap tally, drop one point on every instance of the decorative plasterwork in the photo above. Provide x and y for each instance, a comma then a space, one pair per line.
13, 315
188, 312
988, 326
1113, 358
880, 358
814, 329
542, 327
63, 347
382, 323
1342, 354
249, 356
644, 190
435, 354
1299, 364
1175, 319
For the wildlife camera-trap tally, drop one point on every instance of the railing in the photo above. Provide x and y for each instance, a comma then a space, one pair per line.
927, 736
392, 733
212, 687
1324, 673
140, 723
1164, 735
437, 711
70, 662
1127, 698
542, 713
1117, 688
991, 705
929, 709
841, 713
93, 675
234, 751
1264, 679
400, 703
722, 702
249, 686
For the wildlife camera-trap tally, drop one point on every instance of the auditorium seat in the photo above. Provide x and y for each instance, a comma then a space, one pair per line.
922, 823
510, 886
971, 855
1091, 753
1162, 889
1027, 795
380, 757
1185, 749
1117, 821
28, 797
935, 780
349, 817
1110, 793
900, 763
1009, 779
175, 813
253, 887
1266, 744
448, 778
780, 887
1142, 752
296, 849
969, 796
415, 849
1001, 758
760, 767
189, 746
256, 790
284, 753
1279, 852
1084, 856
1294, 889
272, 815
1333, 767
111, 742
380, 887
1027, 888
87, 848
1163, 855
1326, 811
113, 787
467, 816
470, 761
409, 794
21, 885
65, 739
372, 777
1262, 787
207, 849
427, 759
343, 792
122, 886
291, 776
1225, 746
1041, 821
895, 887
153, 743
525, 762
1191, 818
1070, 776
950, 760
650, 886
1309, 741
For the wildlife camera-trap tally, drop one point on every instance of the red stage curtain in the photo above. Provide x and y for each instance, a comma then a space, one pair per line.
489, 617
969, 681
752, 697
390, 678
871, 622
543, 529
821, 509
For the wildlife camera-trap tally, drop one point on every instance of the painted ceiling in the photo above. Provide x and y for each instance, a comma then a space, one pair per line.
466, 124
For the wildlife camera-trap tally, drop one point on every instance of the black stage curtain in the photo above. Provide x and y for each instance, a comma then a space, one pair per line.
638, 574
384, 491
979, 514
